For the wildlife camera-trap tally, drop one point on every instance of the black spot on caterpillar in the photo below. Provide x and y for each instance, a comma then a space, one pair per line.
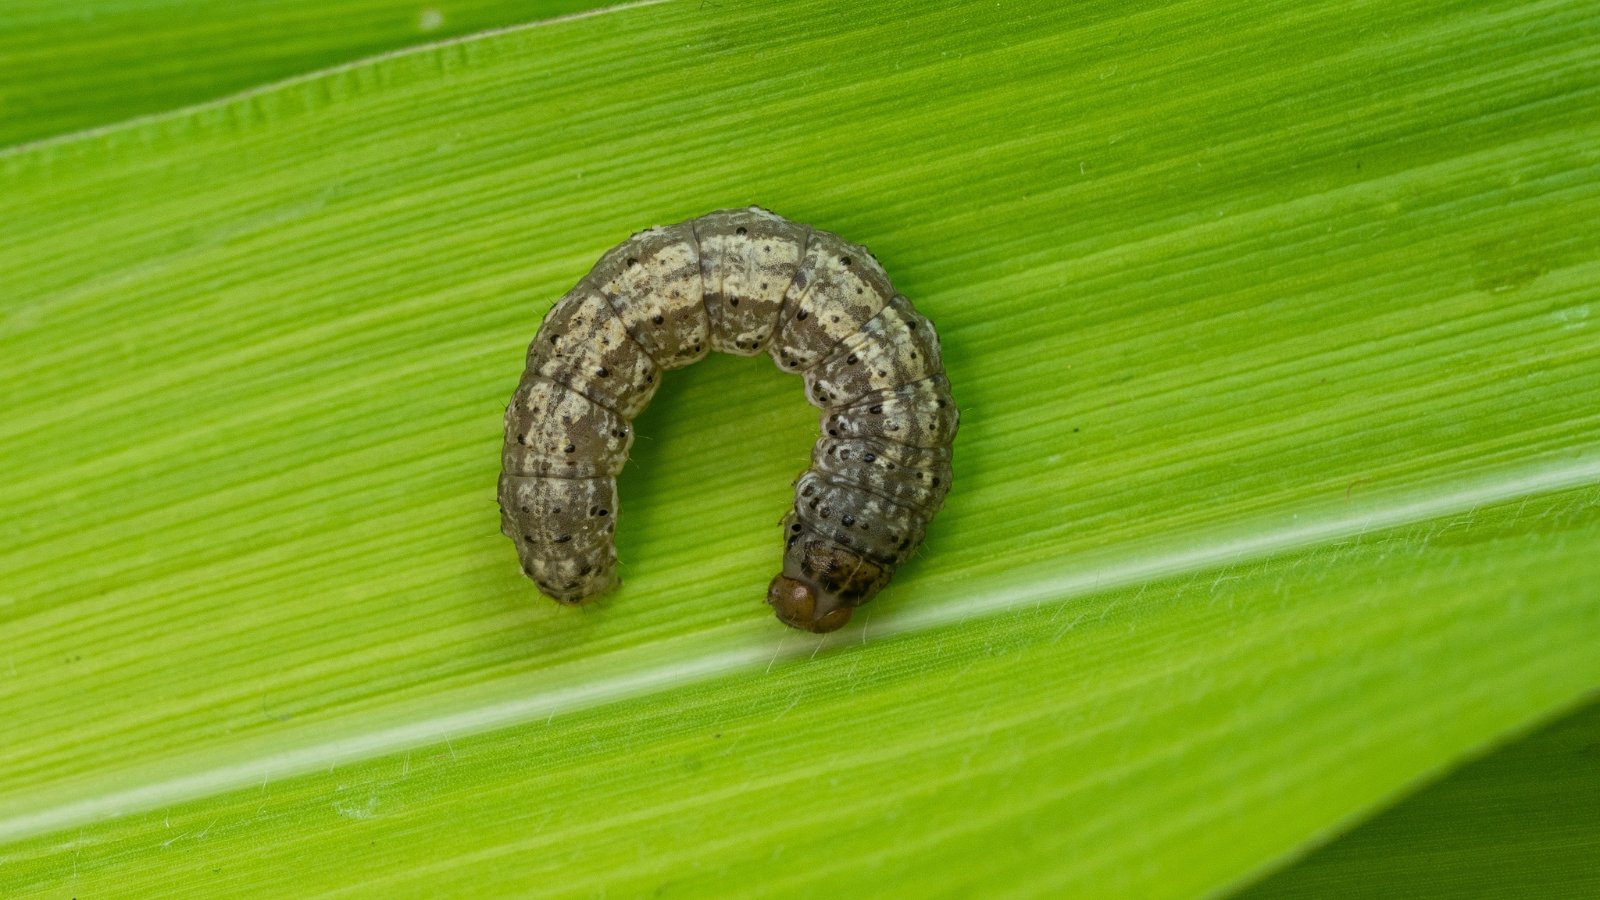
739, 281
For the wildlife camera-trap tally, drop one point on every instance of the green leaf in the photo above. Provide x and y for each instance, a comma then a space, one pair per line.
66, 66
1523, 821
1273, 329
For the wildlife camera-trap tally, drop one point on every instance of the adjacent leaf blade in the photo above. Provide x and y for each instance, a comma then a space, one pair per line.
65, 67
1519, 822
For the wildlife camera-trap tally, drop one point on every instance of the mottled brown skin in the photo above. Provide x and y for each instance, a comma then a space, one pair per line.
737, 281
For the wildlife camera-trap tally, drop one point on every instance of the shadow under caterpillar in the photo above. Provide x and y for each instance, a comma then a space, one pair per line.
739, 281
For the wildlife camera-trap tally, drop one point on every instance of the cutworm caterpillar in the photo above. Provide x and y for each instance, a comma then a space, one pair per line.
739, 281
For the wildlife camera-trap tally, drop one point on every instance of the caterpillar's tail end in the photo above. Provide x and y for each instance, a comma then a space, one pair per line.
801, 605
574, 581
581, 592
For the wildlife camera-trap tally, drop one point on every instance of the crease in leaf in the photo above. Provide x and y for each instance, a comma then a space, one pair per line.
55, 106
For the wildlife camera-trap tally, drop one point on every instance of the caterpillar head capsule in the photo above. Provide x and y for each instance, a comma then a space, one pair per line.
822, 583
801, 605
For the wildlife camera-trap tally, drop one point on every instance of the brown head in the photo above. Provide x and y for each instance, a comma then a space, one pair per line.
822, 583
801, 605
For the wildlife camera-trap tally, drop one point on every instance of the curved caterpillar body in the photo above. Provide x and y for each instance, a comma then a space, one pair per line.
739, 281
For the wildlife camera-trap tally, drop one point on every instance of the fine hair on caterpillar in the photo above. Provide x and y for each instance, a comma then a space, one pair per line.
741, 281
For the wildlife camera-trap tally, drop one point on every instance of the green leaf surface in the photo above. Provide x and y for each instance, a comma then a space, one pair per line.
66, 66
1277, 488
1091, 747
